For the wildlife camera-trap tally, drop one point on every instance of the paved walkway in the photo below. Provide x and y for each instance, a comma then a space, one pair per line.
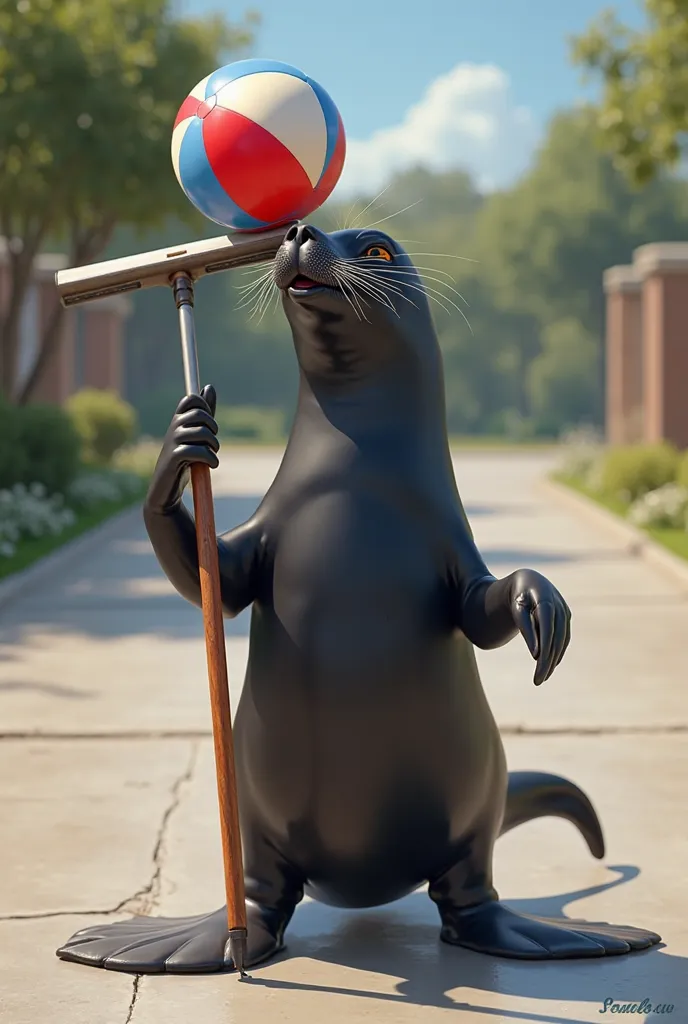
108, 804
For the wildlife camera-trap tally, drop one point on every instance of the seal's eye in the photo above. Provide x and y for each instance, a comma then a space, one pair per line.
376, 252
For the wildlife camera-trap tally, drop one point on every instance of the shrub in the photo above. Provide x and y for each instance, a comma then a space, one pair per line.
629, 471
38, 444
103, 421
139, 458
250, 423
682, 471
92, 489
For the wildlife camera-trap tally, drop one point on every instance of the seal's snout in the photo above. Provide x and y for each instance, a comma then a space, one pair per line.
305, 262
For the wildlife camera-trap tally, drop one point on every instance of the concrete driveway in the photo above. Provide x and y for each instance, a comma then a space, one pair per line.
108, 801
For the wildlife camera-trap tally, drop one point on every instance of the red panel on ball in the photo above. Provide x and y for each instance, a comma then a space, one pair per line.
188, 109
334, 168
258, 173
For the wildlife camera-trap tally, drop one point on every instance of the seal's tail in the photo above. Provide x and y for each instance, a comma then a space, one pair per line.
539, 794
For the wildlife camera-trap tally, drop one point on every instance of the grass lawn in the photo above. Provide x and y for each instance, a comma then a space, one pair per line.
674, 540
31, 549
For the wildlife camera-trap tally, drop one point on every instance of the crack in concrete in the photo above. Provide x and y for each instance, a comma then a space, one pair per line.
206, 734
144, 899
120, 734
134, 997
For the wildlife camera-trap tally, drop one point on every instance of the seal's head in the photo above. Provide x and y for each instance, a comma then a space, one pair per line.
356, 305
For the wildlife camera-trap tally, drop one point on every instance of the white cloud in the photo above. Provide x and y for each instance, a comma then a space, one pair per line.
466, 118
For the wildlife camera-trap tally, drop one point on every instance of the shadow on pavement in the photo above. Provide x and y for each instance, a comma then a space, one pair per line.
120, 589
402, 941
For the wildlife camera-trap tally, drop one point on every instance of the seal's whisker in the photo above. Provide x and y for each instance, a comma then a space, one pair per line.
408, 272
249, 297
389, 217
352, 299
365, 276
246, 289
431, 294
380, 289
363, 282
362, 260
267, 297
373, 292
443, 255
256, 266
376, 290
366, 208
262, 299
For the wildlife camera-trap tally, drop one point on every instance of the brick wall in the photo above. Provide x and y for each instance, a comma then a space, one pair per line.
90, 352
647, 346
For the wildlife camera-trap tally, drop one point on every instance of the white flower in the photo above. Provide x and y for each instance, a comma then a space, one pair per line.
30, 512
666, 506
97, 488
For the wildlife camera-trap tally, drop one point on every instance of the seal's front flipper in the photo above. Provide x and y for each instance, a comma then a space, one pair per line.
493, 928
172, 945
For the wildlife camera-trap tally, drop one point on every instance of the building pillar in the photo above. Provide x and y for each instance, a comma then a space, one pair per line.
624, 356
103, 343
663, 269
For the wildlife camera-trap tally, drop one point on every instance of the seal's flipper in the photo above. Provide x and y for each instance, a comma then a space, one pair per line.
171, 945
538, 794
493, 928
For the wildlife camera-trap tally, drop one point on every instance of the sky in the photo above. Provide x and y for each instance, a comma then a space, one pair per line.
444, 83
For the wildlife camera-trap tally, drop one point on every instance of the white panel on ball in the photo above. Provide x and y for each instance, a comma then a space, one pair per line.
286, 107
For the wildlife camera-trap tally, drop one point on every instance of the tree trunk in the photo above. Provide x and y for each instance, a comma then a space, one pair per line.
85, 246
20, 266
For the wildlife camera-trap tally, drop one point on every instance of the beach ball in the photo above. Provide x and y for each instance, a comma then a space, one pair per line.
257, 144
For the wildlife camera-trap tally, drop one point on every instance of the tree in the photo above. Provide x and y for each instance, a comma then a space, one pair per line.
643, 116
545, 243
534, 296
88, 96
563, 380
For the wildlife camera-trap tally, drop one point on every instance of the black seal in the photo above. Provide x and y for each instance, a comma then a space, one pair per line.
368, 760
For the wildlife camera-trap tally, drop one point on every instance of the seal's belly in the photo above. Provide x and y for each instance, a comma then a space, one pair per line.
363, 708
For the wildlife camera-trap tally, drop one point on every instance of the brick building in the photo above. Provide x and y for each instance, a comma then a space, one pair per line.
91, 349
647, 346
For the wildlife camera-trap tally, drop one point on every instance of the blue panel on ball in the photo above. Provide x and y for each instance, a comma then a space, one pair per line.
331, 121
203, 188
252, 66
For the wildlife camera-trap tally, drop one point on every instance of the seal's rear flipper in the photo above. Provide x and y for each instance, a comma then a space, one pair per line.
538, 794
183, 945
495, 929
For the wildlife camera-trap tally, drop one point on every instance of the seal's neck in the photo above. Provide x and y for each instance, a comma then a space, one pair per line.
392, 424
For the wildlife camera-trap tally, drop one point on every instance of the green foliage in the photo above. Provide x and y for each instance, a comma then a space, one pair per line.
563, 379
644, 111
249, 423
682, 471
38, 444
88, 97
630, 471
528, 262
103, 421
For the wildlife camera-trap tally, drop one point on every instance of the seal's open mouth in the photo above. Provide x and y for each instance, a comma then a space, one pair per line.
302, 285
